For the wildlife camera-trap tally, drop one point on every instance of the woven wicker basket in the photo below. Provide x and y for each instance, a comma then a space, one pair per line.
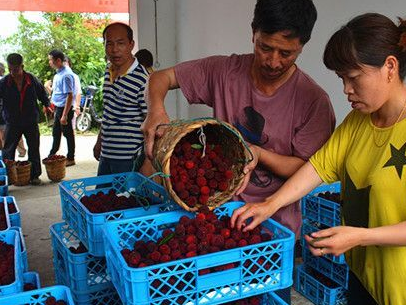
23, 174
11, 171
217, 133
56, 169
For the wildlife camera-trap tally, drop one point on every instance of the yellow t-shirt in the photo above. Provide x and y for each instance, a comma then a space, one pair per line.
370, 163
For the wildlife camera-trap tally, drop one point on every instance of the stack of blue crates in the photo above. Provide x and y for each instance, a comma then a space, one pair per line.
323, 280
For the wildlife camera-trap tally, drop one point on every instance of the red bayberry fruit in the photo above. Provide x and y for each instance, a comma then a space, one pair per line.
191, 239
204, 190
222, 186
189, 164
228, 174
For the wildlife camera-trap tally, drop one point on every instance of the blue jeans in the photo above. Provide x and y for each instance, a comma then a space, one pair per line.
111, 166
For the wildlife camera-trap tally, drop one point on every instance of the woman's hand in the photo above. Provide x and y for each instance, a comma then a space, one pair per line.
258, 212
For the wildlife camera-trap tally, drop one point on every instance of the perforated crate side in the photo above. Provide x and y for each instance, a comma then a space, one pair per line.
105, 294
81, 272
15, 218
39, 296
11, 237
24, 255
4, 187
260, 268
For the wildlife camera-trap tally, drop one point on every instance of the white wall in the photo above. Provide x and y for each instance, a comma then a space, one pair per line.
189, 29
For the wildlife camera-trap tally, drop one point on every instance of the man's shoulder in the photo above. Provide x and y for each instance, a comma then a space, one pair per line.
307, 86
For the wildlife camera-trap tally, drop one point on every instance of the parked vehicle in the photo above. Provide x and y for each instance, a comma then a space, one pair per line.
88, 112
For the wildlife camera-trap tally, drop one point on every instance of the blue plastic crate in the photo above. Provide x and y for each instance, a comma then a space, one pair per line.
106, 295
81, 272
89, 226
309, 227
11, 237
260, 268
32, 277
322, 211
24, 257
4, 207
15, 218
337, 272
272, 298
4, 188
38, 296
317, 292
3, 168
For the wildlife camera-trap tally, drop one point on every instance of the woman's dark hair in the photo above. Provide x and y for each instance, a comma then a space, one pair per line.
367, 39
296, 16
129, 30
57, 54
145, 58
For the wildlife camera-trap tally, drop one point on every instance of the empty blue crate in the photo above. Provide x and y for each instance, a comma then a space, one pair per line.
89, 225
82, 271
337, 272
39, 296
3, 184
13, 211
11, 237
322, 211
4, 216
31, 278
258, 268
307, 228
318, 290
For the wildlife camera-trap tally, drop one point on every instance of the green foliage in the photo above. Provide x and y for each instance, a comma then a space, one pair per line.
78, 35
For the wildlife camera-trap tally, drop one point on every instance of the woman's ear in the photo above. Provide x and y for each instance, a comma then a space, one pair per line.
392, 67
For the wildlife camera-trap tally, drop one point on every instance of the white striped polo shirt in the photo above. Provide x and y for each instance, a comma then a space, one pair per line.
124, 110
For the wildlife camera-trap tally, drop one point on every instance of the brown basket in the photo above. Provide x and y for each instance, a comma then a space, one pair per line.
56, 169
23, 175
220, 133
11, 171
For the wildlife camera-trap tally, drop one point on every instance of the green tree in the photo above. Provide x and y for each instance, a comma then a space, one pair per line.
78, 35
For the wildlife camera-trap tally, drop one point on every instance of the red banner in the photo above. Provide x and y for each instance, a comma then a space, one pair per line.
66, 6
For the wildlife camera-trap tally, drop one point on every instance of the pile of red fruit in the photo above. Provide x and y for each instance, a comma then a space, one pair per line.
52, 301
22, 163
194, 176
11, 208
29, 287
53, 158
321, 278
191, 237
3, 220
102, 203
6, 264
335, 197
79, 249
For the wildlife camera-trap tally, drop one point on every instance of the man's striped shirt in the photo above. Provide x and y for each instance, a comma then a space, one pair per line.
124, 110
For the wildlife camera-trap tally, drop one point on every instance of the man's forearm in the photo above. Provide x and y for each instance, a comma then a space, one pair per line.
280, 165
68, 105
160, 83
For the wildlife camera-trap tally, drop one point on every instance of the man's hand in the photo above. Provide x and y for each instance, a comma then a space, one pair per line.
249, 168
64, 120
97, 149
150, 131
47, 110
77, 111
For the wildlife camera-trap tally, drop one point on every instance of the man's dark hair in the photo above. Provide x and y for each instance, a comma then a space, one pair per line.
14, 59
57, 54
145, 58
129, 30
296, 16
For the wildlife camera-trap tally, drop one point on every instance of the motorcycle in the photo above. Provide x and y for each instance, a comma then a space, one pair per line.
88, 112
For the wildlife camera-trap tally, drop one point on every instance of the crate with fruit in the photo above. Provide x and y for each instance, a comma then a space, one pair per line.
3, 185
55, 166
179, 257
31, 281
57, 295
23, 249
203, 162
13, 211
4, 216
11, 271
88, 203
323, 205
318, 288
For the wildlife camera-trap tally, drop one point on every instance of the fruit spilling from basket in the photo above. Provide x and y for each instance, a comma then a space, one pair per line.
199, 172
6, 264
191, 237
102, 203
53, 158
22, 163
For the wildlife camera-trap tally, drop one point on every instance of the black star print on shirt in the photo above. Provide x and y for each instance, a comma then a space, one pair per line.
397, 159
356, 204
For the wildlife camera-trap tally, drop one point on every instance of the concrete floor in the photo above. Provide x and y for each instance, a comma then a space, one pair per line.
40, 208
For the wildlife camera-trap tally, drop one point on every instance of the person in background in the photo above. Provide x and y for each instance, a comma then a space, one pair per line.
20, 91
2, 122
279, 109
63, 92
367, 154
146, 59
119, 146
77, 93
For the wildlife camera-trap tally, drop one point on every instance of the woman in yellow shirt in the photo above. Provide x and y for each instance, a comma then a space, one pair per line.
367, 153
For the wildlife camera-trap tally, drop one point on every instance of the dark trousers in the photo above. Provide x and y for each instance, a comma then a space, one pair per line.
67, 132
357, 294
13, 134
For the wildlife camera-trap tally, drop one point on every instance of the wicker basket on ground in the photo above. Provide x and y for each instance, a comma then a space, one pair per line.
202, 160
11, 171
23, 173
55, 167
